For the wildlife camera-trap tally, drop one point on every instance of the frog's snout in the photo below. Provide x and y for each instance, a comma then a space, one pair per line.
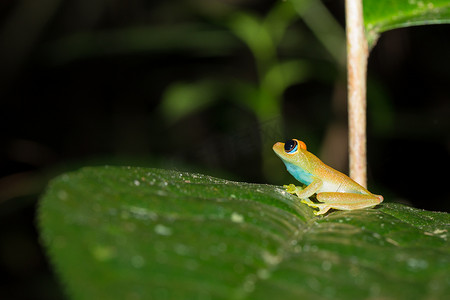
278, 147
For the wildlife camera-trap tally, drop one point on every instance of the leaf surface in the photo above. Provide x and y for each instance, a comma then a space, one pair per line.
136, 233
383, 15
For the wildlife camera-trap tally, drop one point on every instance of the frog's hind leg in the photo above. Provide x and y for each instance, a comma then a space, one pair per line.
348, 201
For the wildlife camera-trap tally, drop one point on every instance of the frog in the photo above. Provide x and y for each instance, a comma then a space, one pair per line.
333, 189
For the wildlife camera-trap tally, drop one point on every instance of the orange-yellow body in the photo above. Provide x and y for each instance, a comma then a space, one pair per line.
333, 189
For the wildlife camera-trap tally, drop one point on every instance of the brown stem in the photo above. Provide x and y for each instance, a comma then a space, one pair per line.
357, 53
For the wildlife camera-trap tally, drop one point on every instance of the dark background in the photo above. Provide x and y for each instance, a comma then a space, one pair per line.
87, 83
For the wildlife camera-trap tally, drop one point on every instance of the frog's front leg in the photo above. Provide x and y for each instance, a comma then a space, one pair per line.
345, 201
304, 193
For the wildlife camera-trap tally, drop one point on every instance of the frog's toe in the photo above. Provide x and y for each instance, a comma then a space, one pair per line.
290, 188
308, 202
322, 209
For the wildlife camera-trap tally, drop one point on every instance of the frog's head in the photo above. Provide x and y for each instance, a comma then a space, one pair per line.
291, 151
295, 156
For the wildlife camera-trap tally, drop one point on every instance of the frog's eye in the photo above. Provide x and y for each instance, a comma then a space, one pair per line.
291, 146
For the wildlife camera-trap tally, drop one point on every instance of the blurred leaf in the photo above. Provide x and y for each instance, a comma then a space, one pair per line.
278, 19
327, 30
263, 35
182, 99
264, 100
253, 32
383, 15
250, 29
285, 74
258, 99
135, 233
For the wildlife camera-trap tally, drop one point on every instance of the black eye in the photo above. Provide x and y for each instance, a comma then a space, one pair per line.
290, 146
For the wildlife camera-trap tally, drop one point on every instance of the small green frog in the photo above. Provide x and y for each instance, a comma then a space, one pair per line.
333, 189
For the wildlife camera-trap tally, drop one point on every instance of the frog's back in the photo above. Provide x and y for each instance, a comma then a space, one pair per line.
335, 181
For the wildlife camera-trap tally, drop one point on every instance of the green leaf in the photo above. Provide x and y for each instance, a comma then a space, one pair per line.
383, 15
136, 233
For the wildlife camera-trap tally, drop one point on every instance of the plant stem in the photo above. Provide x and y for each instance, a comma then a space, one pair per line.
357, 53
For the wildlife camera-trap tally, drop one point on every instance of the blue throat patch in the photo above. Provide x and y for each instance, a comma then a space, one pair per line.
298, 173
